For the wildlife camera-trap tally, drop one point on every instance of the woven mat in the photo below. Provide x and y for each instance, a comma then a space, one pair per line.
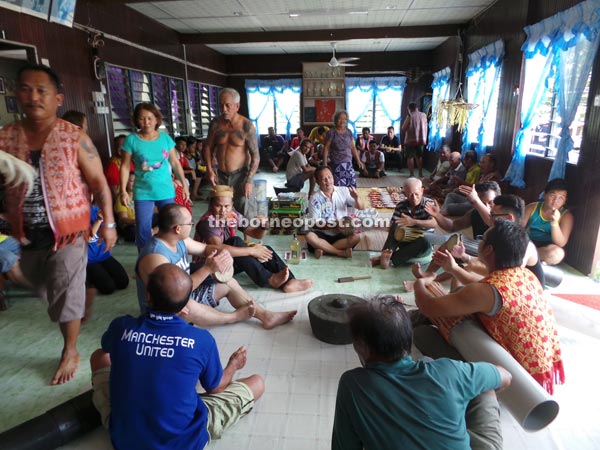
372, 240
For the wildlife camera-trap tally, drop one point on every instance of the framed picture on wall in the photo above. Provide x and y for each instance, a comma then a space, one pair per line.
38, 8
15, 5
63, 12
11, 104
2, 87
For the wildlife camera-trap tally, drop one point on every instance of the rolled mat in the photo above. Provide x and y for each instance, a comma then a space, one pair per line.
525, 399
54, 428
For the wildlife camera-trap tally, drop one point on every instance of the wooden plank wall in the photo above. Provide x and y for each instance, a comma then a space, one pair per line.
70, 55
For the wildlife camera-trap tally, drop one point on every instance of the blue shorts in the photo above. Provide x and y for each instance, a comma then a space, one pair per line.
10, 251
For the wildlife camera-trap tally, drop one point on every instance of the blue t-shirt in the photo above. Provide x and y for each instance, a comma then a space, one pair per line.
155, 245
156, 361
96, 251
408, 405
152, 169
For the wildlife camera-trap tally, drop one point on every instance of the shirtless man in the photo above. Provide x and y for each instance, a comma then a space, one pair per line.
232, 138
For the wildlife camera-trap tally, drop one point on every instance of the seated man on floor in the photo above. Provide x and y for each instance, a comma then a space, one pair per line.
328, 211
394, 402
456, 173
275, 148
482, 201
509, 302
374, 162
549, 223
405, 240
218, 227
472, 269
390, 145
172, 244
146, 372
298, 170
441, 168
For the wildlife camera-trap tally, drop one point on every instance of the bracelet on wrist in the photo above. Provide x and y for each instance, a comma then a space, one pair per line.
109, 225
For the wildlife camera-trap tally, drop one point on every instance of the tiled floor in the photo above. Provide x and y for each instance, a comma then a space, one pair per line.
301, 373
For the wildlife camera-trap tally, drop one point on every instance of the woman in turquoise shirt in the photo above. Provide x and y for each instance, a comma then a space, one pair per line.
153, 155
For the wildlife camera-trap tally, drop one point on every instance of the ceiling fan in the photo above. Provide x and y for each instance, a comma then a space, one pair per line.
342, 62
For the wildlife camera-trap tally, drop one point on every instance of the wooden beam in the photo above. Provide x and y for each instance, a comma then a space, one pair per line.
342, 34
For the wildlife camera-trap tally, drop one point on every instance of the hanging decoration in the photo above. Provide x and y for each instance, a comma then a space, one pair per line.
455, 111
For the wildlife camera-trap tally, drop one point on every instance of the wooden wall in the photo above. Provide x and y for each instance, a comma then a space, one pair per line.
70, 55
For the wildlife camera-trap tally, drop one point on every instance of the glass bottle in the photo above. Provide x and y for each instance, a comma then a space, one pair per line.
295, 250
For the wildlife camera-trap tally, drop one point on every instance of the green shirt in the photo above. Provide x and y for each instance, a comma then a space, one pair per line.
408, 405
153, 179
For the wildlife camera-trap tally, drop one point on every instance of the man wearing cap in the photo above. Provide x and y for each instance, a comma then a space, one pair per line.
218, 227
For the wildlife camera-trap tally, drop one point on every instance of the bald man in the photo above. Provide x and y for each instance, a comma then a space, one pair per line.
146, 372
412, 216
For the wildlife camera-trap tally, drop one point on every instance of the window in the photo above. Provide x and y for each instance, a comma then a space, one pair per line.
483, 86
204, 106
440, 92
374, 103
274, 103
559, 52
545, 132
127, 88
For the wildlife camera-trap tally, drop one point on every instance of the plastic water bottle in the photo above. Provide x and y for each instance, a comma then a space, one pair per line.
295, 251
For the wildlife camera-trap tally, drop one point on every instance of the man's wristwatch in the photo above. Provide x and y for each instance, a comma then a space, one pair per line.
110, 225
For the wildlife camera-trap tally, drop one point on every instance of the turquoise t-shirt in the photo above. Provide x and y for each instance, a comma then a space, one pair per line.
408, 404
152, 168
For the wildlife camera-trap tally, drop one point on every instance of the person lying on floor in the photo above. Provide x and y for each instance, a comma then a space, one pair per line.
172, 244
145, 375
509, 302
218, 226
328, 209
411, 217
394, 402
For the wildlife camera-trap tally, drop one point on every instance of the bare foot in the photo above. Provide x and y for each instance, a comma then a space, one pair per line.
420, 273
245, 312
67, 368
375, 261
277, 279
347, 253
237, 360
409, 285
318, 253
297, 285
386, 256
274, 319
416, 270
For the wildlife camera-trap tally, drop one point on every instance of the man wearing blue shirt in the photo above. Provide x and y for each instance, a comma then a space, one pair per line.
393, 402
145, 375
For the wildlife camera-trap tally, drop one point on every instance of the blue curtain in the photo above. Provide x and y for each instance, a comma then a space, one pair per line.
283, 92
556, 43
441, 91
484, 65
366, 90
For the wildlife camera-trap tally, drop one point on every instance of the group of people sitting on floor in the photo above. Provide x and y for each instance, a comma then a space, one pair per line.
146, 372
